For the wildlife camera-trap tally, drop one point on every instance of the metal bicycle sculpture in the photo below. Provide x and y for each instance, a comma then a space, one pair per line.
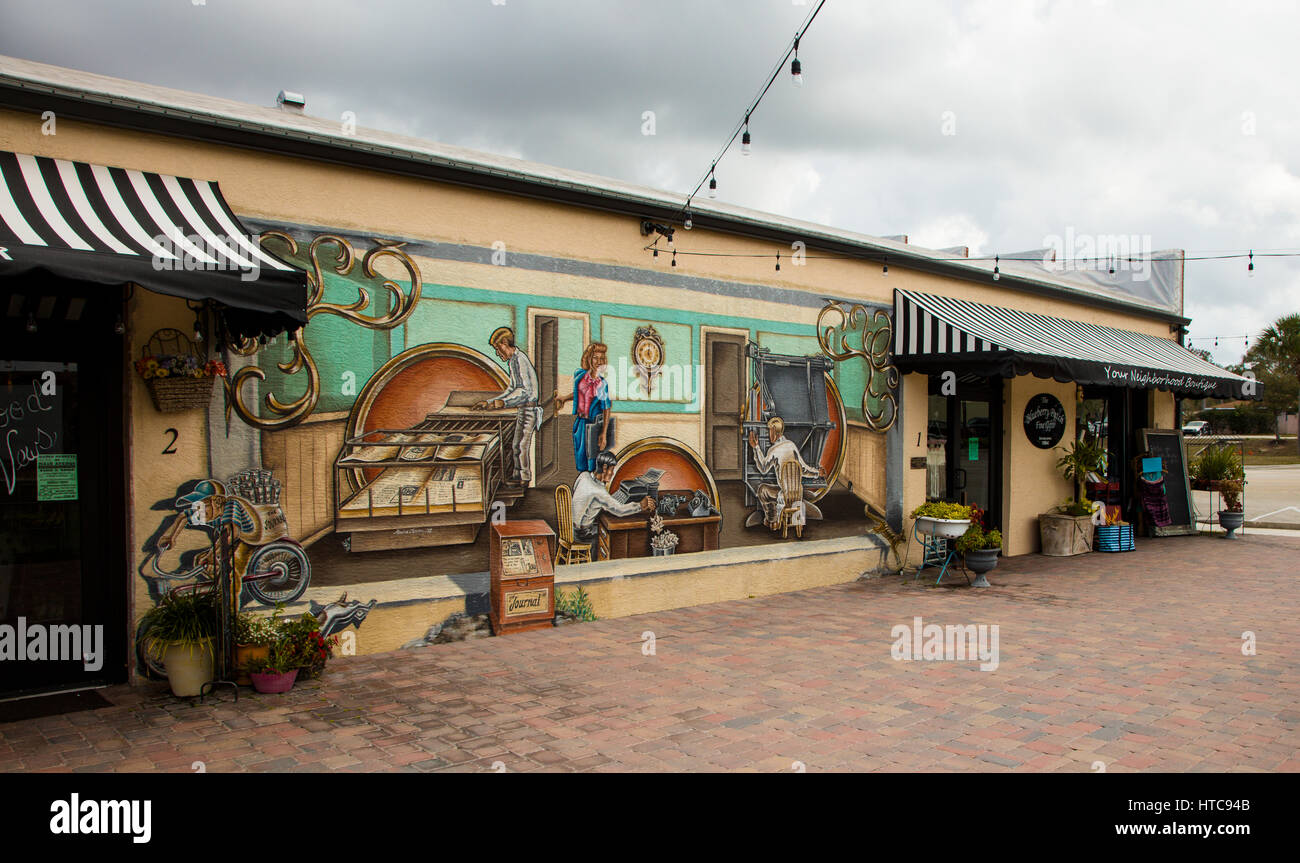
264, 561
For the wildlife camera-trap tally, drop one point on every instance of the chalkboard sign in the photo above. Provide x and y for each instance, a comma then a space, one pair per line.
1167, 445
1044, 420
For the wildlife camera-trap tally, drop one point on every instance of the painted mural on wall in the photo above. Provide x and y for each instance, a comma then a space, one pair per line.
407, 416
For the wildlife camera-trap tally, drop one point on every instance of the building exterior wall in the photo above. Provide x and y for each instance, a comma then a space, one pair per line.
592, 270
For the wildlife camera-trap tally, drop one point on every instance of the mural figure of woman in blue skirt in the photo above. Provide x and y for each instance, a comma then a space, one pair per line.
592, 408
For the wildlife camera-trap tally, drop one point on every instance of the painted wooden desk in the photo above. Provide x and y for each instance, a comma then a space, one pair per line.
630, 537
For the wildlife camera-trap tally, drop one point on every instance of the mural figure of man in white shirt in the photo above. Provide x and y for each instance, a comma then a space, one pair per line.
521, 394
782, 450
591, 497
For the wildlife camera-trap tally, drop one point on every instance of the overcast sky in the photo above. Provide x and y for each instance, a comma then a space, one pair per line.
1173, 121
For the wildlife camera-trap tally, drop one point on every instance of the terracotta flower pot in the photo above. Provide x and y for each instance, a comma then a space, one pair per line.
274, 682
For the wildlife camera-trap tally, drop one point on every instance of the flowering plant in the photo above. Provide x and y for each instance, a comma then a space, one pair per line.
178, 366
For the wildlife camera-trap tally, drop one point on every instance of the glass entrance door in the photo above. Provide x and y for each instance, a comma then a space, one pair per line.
964, 443
62, 534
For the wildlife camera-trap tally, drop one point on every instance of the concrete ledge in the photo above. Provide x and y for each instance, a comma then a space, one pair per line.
406, 608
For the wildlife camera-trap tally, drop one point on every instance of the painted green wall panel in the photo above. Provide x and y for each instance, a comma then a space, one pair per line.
462, 323
676, 386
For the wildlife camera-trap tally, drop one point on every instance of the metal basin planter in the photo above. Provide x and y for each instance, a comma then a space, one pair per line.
945, 528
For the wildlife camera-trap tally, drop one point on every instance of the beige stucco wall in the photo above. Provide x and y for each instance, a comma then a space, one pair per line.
1031, 483
376, 204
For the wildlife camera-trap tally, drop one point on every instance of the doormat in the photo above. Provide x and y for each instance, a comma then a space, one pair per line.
51, 705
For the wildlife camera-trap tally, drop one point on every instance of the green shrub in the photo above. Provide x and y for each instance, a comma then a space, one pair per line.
1216, 462
942, 509
976, 538
576, 605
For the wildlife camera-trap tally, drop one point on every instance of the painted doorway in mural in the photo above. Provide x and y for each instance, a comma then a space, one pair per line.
546, 341
724, 374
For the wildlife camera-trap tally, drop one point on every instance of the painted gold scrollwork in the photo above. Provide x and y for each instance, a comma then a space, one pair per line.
339, 256
834, 324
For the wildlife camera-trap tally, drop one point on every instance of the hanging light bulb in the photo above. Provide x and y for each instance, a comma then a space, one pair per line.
1216, 341
689, 222
884, 270
796, 68
744, 139
1250, 268
997, 273
778, 262
656, 251
713, 183
31, 322
674, 257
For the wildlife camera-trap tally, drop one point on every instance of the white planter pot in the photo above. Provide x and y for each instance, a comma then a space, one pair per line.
189, 666
946, 528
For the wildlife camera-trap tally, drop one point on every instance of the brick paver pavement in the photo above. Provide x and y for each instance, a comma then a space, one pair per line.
1134, 660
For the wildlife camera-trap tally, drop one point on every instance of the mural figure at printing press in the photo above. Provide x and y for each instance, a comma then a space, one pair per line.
593, 425
521, 394
792, 395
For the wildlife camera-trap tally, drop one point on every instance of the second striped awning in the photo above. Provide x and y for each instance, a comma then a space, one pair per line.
933, 334
169, 234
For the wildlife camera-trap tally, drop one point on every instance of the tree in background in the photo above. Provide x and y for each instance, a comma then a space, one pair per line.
1276, 358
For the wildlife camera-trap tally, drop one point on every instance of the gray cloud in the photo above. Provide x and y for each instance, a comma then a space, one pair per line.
1104, 118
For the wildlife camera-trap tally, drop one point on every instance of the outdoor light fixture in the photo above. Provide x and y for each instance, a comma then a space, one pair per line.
674, 257
713, 183
1250, 268
796, 68
648, 227
884, 270
689, 222
997, 273
744, 139
778, 262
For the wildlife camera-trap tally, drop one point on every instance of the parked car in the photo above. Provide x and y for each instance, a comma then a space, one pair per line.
1196, 427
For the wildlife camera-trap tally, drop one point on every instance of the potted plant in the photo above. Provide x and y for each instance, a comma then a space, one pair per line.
1068, 529
276, 672
942, 519
662, 542
979, 549
300, 637
1233, 515
254, 634
179, 632
1213, 466
175, 373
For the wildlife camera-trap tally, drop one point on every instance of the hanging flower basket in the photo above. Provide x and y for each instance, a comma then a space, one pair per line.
175, 372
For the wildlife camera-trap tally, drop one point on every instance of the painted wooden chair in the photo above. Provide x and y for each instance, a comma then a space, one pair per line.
569, 552
789, 476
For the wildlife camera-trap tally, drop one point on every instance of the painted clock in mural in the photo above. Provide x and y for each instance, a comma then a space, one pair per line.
647, 356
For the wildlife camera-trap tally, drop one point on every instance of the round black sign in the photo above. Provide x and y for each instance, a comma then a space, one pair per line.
1044, 420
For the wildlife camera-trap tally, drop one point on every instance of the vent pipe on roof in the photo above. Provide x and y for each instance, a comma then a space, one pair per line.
290, 101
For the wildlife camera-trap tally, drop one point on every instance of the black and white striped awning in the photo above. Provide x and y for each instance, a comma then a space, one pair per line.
933, 333
169, 234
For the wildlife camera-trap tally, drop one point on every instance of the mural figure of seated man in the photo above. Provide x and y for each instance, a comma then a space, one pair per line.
591, 497
782, 450
521, 394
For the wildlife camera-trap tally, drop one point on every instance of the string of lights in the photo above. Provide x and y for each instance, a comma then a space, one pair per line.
742, 128
1112, 261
